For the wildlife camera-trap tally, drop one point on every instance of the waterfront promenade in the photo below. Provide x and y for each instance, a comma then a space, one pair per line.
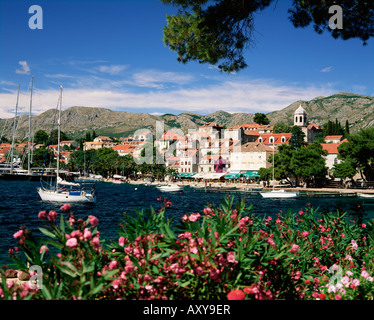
244, 187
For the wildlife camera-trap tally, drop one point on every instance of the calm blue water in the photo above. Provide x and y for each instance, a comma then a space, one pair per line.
20, 205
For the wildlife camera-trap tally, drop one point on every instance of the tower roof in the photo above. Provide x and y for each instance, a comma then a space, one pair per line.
300, 110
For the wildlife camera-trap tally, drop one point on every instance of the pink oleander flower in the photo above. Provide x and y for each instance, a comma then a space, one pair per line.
207, 210
301, 212
194, 217
295, 248
231, 257
349, 273
305, 233
42, 215
18, 234
87, 235
93, 220
43, 249
66, 207
115, 284
121, 241
96, 243
113, 265
72, 242
236, 295
364, 274
354, 244
356, 282
52, 215
363, 225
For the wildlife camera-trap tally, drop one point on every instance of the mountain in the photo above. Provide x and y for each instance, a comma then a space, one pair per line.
75, 121
357, 109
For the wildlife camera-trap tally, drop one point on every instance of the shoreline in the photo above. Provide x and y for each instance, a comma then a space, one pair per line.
247, 187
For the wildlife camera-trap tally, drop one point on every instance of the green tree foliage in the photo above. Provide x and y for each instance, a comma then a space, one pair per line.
344, 170
54, 136
41, 137
261, 118
334, 128
297, 138
39, 155
359, 153
304, 164
217, 32
265, 174
281, 128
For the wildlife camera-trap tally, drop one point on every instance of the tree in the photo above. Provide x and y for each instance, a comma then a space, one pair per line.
359, 152
297, 138
41, 137
217, 32
54, 136
344, 170
265, 174
261, 118
304, 164
281, 128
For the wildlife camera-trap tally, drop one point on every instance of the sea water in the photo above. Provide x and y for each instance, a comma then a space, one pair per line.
20, 205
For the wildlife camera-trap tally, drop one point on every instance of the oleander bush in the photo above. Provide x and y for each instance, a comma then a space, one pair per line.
219, 253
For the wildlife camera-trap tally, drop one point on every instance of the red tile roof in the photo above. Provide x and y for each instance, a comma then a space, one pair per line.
331, 148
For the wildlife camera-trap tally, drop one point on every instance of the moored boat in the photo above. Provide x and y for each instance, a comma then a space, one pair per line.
169, 188
279, 194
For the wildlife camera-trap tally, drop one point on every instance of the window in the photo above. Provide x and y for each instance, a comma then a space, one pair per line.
283, 139
260, 139
271, 139
210, 169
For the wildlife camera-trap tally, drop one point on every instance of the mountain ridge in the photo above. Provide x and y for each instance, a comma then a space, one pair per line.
76, 120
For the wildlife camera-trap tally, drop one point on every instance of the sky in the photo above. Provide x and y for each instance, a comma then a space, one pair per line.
111, 54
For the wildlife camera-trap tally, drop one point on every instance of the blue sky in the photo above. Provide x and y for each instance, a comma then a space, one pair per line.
111, 54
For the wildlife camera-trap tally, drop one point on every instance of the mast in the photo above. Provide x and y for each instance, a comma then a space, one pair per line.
273, 163
14, 134
58, 138
29, 151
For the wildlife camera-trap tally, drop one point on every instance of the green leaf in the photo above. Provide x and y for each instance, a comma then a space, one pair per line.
47, 232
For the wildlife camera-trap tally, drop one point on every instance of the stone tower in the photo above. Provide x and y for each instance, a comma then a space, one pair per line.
300, 117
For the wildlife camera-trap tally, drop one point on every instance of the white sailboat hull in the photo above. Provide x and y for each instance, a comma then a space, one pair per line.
366, 195
169, 188
279, 194
65, 196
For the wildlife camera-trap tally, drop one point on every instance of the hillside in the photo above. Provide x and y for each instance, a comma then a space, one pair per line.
357, 109
75, 121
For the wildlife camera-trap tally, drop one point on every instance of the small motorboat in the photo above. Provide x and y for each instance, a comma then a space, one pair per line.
366, 195
169, 188
279, 194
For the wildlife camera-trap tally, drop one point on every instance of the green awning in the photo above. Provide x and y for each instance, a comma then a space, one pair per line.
186, 174
250, 174
232, 176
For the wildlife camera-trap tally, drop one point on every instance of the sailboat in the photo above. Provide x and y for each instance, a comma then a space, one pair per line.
61, 190
17, 173
278, 194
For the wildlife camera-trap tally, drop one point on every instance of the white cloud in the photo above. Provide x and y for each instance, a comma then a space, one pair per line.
327, 69
158, 79
239, 96
25, 69
112, 69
